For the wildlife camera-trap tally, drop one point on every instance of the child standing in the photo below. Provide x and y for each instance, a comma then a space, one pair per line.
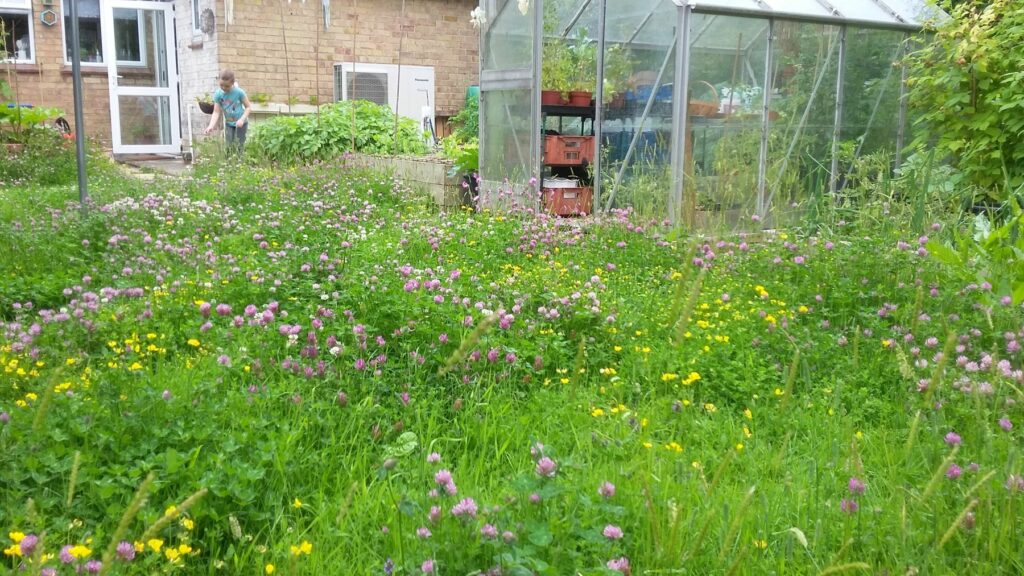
232, 102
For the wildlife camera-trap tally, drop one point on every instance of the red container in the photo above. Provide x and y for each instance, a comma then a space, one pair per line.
568, 150
568, 201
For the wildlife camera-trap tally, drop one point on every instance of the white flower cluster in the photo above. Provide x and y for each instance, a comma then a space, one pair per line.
478, 17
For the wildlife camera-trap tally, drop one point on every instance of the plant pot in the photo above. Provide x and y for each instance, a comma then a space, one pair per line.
206, 107
580, 98
551, 98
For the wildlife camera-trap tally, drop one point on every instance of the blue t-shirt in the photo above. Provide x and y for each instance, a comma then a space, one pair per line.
232, 103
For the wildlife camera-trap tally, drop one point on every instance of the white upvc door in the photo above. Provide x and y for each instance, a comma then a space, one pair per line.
142, 71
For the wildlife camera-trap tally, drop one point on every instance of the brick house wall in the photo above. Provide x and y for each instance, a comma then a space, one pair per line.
47, 82
282, 49
198, 60
276, 47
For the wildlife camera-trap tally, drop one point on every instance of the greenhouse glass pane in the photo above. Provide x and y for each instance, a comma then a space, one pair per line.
865, 10
724, 32
871, 91
917, 11
800, 7
508, 41
725, 124
632, 78
507, 136
804, 73
733, 4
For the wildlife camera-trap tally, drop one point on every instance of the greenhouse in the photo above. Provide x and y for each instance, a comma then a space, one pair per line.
787, 103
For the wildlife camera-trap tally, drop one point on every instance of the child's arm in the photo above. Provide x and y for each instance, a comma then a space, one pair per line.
245, 115
214, 119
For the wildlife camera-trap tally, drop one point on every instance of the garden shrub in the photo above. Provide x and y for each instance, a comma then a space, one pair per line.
46, 159
967, 87
332, 132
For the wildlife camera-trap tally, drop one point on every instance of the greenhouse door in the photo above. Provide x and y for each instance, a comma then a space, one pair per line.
142, 72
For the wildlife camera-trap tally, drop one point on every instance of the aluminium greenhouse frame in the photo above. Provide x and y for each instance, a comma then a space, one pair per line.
510, 79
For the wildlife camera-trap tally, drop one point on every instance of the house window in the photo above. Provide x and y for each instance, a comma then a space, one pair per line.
129, 33
16, 38
197, 18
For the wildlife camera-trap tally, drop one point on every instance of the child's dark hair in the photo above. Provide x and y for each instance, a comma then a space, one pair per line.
227, 75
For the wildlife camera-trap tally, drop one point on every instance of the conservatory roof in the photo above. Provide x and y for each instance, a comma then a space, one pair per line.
909, 14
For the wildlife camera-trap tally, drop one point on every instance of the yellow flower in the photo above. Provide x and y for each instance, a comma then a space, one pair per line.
739, 447
155, 544
172, 554
297, 503
597, 412
647, 445
762, 544
779, 392
17, 537
643, 422
711, 408
184, 548
269, 569
669, 376
135, 366
859, 434
617, 348
139, 546
886, 343
188, 523
12, 550
171, 511
79, 552
748, 414
193, 342
304, 548
70, 361
746, 432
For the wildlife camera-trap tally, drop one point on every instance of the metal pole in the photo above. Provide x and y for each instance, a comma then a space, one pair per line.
76, 76
901, 126
838, 123
640, 126
536, 159
599, 101
762, 160
576, 18
680, 113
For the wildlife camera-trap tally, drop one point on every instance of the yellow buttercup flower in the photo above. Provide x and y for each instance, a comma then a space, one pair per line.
297, 503
184, 549
193, 342
79, 552
269, 569
155, 544
17, 537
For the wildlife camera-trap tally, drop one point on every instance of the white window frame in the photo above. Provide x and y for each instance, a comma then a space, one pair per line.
197, 17
142, 42
21, 7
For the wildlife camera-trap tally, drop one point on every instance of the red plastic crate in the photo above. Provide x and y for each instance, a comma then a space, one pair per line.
568, 150
569, 201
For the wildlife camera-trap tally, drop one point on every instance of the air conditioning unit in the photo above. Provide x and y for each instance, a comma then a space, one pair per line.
410, 90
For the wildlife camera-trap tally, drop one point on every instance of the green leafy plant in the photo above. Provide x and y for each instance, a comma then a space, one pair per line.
260, 97
17, 122
346, 126
967, 88
989, 254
